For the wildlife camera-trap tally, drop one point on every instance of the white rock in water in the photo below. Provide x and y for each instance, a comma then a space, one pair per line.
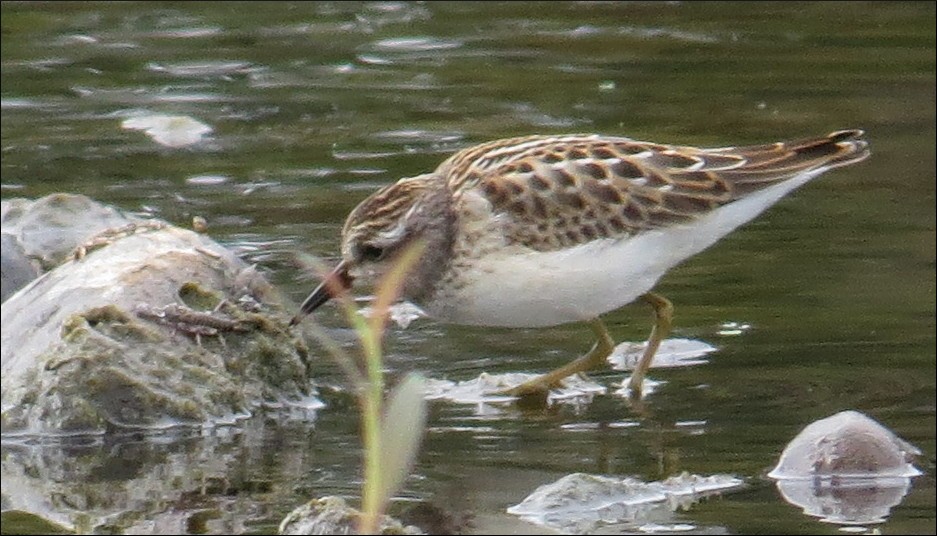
487, 389
848, 444
672, 353
402, 313
846, 469
578, 503
169, 130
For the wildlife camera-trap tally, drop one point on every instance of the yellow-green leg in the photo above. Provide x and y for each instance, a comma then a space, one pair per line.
663, 320
593, 359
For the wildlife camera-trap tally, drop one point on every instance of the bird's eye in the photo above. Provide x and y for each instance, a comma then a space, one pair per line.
371, 253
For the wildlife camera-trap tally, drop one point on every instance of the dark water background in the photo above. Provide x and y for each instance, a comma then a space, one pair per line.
314, 105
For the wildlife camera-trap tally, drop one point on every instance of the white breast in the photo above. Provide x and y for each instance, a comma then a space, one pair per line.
516, 287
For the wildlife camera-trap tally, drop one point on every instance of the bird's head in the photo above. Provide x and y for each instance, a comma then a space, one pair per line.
380, 229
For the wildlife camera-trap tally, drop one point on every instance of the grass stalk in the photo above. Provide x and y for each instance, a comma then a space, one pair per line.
384, 468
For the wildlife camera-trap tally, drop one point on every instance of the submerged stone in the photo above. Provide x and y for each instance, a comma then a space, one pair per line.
40, 234
331, 515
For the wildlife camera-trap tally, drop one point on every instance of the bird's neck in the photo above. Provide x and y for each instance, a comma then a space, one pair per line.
437, 229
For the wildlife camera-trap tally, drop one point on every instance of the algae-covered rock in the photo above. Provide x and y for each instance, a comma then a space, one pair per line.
145, 325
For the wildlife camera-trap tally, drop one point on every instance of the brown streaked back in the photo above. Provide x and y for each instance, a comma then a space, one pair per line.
560, 191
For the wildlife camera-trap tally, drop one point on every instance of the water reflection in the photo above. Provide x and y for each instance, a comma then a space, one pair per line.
855, 502
127, 484
181, 482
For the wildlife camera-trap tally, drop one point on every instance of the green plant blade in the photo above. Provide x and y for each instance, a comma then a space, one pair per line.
402, 429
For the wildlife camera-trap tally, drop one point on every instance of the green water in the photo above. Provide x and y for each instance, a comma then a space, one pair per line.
314, 105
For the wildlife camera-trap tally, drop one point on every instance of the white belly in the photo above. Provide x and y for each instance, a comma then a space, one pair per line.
515, 288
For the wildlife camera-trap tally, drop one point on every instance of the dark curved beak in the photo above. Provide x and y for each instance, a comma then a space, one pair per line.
333, 285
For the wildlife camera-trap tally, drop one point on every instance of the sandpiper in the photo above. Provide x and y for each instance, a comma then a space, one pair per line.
545, 230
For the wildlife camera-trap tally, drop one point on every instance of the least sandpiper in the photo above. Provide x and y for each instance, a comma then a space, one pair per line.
546, 230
